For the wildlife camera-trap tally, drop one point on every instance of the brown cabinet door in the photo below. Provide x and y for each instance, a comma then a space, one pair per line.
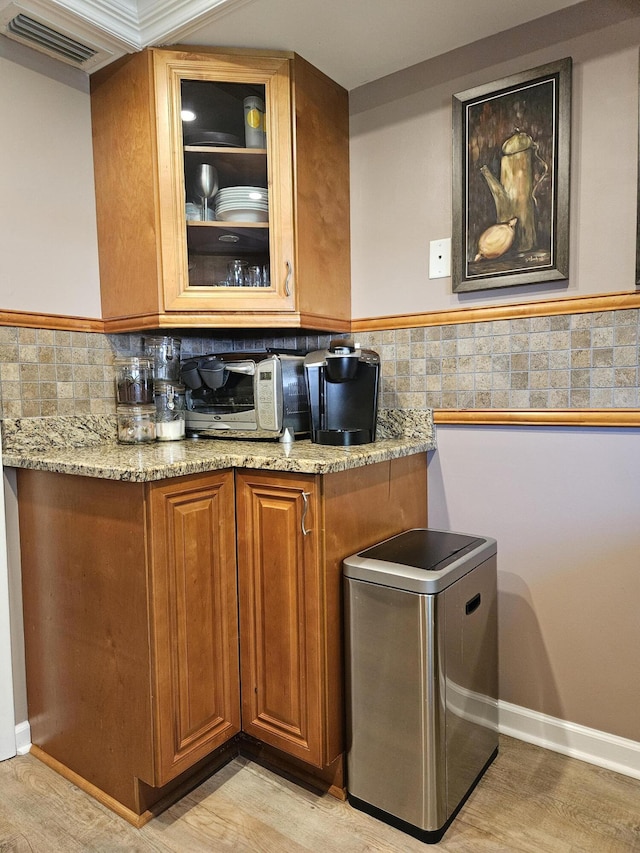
280, 611
194, 627
195, 268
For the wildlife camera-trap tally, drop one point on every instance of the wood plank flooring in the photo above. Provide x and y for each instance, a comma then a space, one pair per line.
530, 800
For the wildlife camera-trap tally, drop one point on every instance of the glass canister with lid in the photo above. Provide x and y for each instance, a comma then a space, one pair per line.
133, 380
170, 410
165, 354
136, 424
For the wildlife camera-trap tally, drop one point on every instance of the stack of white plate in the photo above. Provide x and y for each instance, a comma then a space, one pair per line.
242, 204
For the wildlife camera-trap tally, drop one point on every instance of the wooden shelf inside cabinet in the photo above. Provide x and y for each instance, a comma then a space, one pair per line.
210, 237
236, 166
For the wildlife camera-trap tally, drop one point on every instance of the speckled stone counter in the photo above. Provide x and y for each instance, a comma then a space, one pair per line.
87, 447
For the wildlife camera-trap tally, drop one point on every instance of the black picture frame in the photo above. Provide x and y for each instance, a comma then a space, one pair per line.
511, 175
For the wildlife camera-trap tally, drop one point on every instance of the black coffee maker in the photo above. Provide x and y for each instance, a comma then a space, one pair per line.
342, 383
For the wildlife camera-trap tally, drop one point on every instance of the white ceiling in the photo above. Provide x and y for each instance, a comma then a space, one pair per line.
357, 41
353, 41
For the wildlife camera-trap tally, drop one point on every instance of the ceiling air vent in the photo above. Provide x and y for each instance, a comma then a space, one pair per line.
53, 42
69, 35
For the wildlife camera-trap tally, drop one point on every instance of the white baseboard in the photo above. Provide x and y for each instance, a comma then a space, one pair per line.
590, 745
23, 738
595, 747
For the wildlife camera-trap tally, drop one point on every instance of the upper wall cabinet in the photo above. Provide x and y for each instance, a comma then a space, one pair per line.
222, 191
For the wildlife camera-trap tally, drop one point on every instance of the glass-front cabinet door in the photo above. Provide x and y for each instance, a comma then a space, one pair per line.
225, 182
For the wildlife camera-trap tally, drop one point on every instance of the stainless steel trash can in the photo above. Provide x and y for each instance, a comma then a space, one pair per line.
421, 676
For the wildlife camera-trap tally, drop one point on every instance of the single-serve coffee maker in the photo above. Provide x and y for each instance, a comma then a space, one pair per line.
342, 383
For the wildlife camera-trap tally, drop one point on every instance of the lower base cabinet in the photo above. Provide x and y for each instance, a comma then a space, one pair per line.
170, 625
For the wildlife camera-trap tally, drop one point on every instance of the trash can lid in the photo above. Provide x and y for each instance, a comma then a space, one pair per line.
420, 560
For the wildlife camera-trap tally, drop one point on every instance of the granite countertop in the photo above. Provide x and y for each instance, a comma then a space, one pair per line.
87, 447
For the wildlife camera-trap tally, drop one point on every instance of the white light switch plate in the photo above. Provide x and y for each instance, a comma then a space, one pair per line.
440, 258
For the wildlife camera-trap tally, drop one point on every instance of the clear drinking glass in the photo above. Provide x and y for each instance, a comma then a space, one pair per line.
254, 276
237, 273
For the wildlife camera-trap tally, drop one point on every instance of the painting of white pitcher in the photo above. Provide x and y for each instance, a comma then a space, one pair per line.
511, 180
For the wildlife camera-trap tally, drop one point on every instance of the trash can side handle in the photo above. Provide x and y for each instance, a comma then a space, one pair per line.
473, 604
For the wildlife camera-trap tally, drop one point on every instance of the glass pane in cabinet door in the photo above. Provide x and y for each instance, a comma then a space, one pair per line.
225, 176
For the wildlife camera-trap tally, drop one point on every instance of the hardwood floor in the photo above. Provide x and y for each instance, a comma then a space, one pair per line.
529, 800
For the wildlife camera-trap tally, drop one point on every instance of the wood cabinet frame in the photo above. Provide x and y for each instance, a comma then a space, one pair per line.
137, 138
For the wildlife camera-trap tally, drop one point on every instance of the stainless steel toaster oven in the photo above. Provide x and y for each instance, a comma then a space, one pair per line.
255, 394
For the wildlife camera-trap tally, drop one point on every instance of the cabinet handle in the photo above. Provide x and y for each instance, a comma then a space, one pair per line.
287, 280
305, 498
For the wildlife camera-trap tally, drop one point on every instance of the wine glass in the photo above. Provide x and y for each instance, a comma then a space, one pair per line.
205, 185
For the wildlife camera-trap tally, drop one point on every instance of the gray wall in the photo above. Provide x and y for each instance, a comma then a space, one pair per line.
401, 166
562, 502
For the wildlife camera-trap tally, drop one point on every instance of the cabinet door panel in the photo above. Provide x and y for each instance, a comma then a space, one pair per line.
279, 583
194, 618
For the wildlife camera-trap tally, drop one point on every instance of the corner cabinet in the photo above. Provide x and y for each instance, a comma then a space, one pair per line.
183, 191
141, 677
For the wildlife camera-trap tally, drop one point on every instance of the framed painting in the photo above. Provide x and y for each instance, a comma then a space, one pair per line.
511, 161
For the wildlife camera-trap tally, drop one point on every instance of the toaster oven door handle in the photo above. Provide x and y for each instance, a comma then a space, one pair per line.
305, 498
247, 367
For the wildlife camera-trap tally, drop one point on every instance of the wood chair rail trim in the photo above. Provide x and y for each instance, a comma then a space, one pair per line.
539, 417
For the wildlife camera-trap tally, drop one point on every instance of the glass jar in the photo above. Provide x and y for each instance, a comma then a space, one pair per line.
134, 380
165, 353
136, 424
170, 408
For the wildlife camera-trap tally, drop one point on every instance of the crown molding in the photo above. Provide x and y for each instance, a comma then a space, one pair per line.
117, 18
168, 21
136, 23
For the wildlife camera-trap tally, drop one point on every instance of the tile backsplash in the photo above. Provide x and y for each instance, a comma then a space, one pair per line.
577, 361
558, 362
45, 372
